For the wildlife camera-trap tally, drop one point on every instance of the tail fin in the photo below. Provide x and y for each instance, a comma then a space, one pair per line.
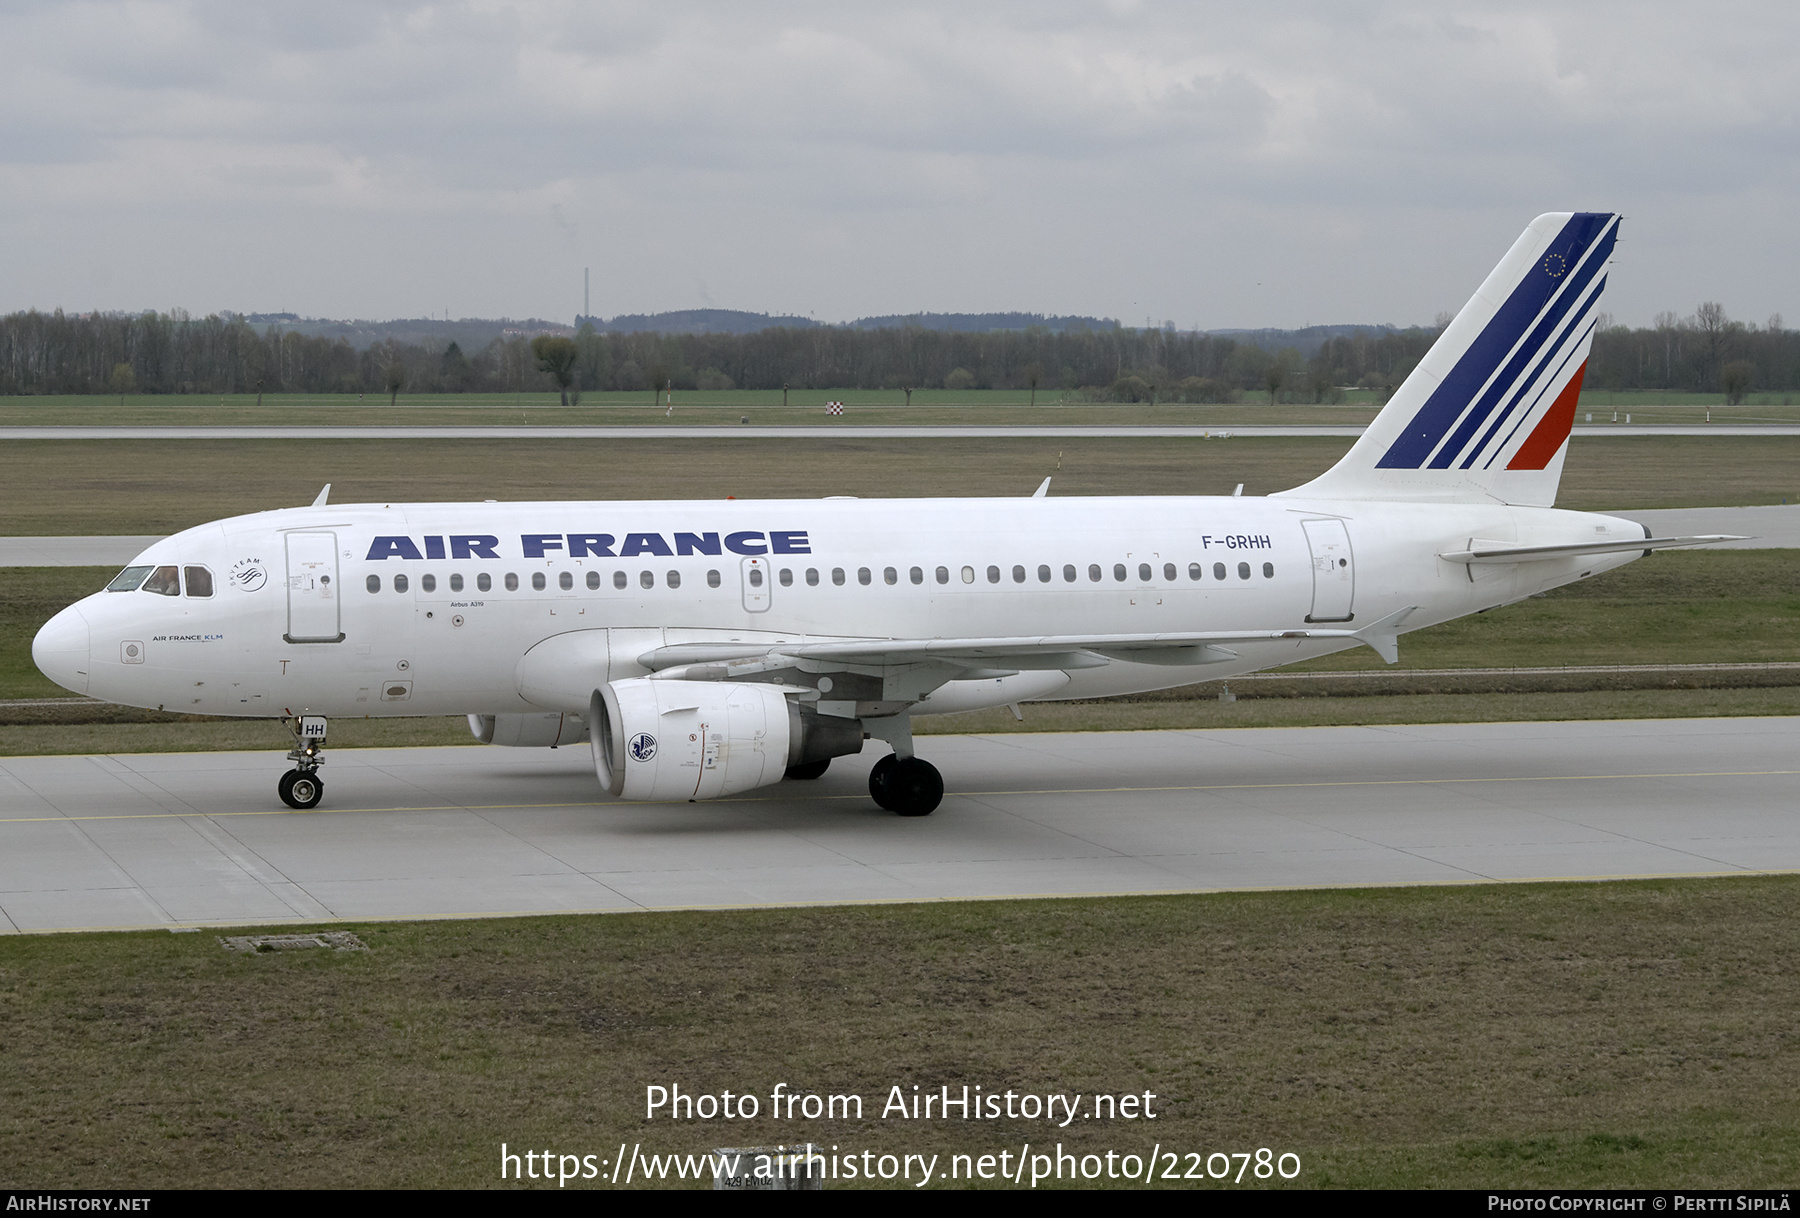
1486, 415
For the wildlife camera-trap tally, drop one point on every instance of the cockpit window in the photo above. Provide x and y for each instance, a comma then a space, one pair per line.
199, 581
164, 582
128, 579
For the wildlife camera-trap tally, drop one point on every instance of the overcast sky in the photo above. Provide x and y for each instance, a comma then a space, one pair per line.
1208, 164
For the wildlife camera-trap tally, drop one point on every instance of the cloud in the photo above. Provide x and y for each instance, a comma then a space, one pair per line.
1357, 161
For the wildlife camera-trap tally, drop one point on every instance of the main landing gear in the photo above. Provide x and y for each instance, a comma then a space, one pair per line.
900, 782
908, 786
301, 787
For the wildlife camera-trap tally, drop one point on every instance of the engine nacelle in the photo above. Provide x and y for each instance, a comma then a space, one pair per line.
528, 731
656, 739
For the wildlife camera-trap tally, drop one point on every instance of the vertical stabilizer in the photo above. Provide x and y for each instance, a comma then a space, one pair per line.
1486, 415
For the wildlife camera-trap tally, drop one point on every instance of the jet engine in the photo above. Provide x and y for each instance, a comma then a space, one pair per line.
671, 739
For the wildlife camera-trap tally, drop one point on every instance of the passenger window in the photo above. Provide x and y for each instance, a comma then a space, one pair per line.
373, 583
128, 579
787, 577
484, 582
890, 576
199, 581
1243, 570
537, 581
647, 580
993, 575
675, 579
428, 583
864, 576
512, 582
1119, 572
1094, 572
456, 583
593, 581
1143, 572
1194, 569
1218, 570
837, 576
1018, 575
712, 579
943, 575
968, 575
399, 583
1268, 570
1068, 573
618, 579
1169, 571
164, 582
812, 577
565, 581
1043, 574
917, 575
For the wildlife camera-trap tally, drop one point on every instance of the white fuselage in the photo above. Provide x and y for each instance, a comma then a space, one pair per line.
309, 611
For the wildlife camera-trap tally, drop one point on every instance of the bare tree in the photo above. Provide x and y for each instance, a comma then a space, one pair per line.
395, 379
1711, 322
1034, 372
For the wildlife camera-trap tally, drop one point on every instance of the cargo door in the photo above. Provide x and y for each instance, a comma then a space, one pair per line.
314, 595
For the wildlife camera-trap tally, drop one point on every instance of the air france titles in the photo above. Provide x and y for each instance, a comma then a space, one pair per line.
593, 545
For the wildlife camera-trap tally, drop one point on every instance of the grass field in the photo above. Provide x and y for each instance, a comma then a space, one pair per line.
804, 406
1614, 1035
53, 487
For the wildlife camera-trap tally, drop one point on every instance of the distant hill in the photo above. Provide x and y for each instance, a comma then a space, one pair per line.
981, 323
695, 321
738, 321
1307, 341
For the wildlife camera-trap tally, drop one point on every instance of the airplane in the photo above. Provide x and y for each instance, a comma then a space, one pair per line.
706, 648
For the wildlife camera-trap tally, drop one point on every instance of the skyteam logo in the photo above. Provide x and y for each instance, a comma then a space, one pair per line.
642, 747
1511, 391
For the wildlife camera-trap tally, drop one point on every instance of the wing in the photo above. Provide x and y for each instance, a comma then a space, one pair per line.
923, 664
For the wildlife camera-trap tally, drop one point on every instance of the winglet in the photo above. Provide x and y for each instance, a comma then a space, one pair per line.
1042, 490
1384, 636
323, 495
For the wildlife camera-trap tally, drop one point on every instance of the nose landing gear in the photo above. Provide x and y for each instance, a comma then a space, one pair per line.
301, 787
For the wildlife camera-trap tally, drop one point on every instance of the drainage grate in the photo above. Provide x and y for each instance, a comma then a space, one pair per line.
337, 940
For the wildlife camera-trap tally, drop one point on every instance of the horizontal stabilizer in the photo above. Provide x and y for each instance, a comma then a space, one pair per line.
1516, 554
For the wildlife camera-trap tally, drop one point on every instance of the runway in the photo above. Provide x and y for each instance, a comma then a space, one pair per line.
824, 431
186, 840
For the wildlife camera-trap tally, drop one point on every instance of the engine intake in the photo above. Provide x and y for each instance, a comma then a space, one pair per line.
658, 739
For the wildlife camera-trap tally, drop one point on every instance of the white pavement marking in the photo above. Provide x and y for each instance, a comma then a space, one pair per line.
462, 832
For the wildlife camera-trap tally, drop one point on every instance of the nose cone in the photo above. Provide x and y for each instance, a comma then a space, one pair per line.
60, 650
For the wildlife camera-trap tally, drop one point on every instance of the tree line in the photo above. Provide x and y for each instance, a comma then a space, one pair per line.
162, 353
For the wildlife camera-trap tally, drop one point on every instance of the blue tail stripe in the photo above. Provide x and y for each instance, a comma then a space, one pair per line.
1572, 289
1557, 380
1446, 404
1525, 382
